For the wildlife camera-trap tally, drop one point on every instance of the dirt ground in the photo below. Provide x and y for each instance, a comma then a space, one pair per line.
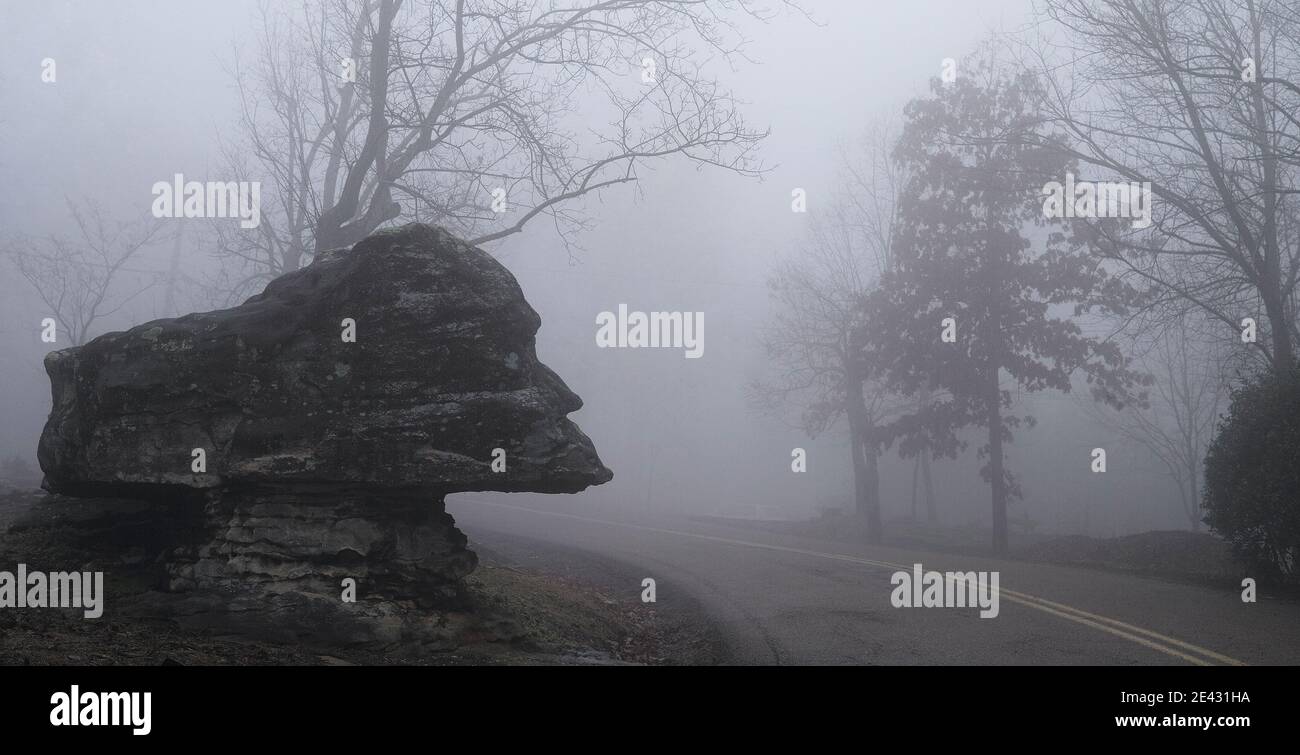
517, 616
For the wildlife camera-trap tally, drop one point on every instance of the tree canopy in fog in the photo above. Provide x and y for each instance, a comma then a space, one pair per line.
463, 114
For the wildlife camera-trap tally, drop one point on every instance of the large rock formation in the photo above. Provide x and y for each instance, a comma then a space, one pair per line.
326, 457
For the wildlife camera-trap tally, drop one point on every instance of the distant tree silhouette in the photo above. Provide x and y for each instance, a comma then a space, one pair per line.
815, 360
964, 251
80, 278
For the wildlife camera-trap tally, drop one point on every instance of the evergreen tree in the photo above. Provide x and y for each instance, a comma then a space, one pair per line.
974, 245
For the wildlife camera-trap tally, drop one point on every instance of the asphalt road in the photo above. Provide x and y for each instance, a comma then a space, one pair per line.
779, 599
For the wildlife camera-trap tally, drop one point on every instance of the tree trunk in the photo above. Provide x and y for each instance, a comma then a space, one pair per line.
1280, 329
993, 339
875, 528
866, 473
1194, 507
866, 477
1271, 286
860, 494
927, 483
347, 221
293, 254
996, 473
916, 483
931, 515
173, 271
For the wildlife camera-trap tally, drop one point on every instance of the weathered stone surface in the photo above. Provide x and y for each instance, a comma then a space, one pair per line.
443, 370
325, 459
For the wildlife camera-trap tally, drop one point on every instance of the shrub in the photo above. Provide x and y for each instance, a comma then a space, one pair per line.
1252, 474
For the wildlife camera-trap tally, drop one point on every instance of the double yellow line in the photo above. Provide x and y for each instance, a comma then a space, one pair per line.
1154, 640
1171, 646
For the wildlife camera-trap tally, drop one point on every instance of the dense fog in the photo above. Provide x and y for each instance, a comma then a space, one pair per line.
149, 89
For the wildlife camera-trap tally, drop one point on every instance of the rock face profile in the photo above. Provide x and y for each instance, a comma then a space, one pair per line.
309, 435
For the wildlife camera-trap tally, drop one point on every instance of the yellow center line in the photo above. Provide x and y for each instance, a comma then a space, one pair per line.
1123, 626
1145, 637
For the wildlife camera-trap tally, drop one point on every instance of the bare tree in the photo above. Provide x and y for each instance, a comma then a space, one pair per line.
81, 280
813, 340
1178, 419
1201, 98
360, 113
815, 365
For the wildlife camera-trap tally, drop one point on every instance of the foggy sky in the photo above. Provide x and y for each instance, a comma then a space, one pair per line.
144, 91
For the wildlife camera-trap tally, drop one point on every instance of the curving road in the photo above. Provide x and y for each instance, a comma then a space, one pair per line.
779, 599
